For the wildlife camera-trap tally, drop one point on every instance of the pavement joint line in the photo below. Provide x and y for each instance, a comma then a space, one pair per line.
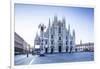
32, 60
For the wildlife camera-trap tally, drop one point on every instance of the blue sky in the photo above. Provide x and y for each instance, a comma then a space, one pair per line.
29, 16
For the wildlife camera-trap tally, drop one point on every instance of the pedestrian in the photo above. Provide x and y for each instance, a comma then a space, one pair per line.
27, 54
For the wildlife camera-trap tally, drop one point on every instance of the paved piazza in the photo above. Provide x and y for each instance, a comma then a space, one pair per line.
54, 58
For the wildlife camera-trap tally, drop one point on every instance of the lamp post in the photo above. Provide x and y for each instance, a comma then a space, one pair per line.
42, 27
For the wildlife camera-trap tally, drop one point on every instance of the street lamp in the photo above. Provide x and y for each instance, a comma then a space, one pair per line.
42, 27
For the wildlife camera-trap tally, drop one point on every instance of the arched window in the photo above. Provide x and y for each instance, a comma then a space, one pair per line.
51, 36
59, 29
51, 41
70, 42
66, 42
66, 38
59, 38
46, 42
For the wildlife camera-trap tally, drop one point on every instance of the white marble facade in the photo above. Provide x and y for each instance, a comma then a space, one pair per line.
57, 37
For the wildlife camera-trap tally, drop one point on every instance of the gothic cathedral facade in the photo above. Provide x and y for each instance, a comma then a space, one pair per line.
57, 38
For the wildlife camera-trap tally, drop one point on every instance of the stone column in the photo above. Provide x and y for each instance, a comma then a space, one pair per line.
64, 35
73, 41
49, 37
68, 38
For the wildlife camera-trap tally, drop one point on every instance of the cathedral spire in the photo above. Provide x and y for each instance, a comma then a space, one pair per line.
36, 36
55, 18
49, 28
49, 22
63, 21
69, 28
73, 33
